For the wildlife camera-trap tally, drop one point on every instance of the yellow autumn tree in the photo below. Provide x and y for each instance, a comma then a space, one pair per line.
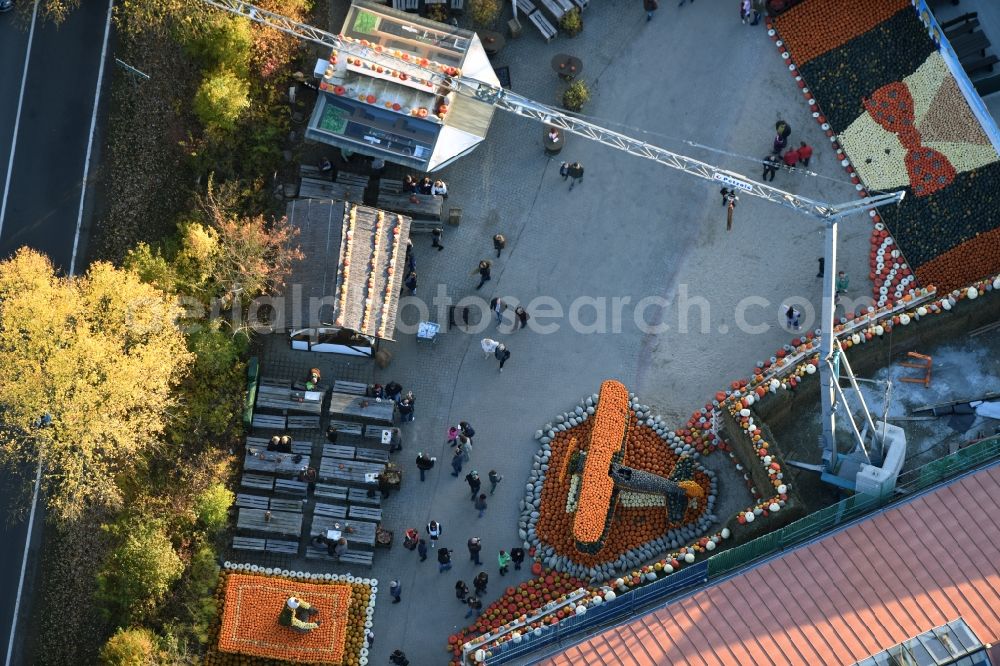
89, 364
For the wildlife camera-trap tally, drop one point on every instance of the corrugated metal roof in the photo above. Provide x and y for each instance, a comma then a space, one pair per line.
838, 600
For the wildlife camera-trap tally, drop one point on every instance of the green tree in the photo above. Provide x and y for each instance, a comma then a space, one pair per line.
131, 647
221, 41
221, 98
484, 12
212, 507
99, 355
140, 570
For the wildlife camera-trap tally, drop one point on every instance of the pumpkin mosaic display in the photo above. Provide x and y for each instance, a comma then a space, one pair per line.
899, 120
248, 632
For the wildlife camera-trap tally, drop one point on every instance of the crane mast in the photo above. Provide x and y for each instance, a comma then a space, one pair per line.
511, 102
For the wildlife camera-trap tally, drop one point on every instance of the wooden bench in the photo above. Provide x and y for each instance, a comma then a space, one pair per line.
269, 421
365, 513
355, 179
544, 26
347, 428
424, 226
360, 496
258, 481
391, 186
283, 547
329, 491
359, 557
248, 543
295, 506
338, 451
372, 455
315, 188
302, 448
357, 388
959, 19
289, 487
303, 423
970, 44
582, 4
277, 382
973, 66
330, 510
244, 500
375, 433
406, 5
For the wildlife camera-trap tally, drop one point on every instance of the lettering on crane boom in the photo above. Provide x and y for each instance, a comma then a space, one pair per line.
739, 184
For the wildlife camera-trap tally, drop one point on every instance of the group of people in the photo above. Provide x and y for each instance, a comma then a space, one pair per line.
499, 350
791, 158
392, 391
425, 186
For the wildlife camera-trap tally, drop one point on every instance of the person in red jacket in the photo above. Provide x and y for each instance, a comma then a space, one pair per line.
805, 152
791, 158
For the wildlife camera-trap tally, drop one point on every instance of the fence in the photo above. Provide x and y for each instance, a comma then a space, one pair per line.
665, 590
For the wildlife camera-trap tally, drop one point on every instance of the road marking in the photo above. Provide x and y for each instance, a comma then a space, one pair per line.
90, 141
24, 559
17, 118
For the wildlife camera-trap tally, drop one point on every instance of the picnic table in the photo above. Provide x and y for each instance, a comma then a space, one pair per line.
288, 399
350, 406
274, 463
355, 531
279, 522
354, 471
414, 205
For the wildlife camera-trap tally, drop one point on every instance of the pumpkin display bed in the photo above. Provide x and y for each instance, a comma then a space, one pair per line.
616, 488
901, 122
250, 600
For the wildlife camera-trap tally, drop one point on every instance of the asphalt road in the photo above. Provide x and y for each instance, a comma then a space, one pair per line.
43, 196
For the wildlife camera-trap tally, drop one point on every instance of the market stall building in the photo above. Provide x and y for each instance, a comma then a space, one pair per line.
343, 296
388, 110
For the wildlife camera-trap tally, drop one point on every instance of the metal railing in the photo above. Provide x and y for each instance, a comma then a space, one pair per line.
665, 590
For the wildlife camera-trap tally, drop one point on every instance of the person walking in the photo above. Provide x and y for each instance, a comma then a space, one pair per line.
456, 462
744, 11
564, 170
502, 354
406, 410
726, 192
517, 556
461, 591
484, 273
520, 317
805, 153
453, 432
503, 560
771, 164
792, 317
495, 480
480, 582
475, 545
472, 478
650, 6
781, 132
475, 606
436, 233
398, 657
466, 429
481, 504
758, 11
444, 560
424, 463
791, 158
465, 446
489, 346
434, 530
422, 549
411, 283
499, 243
575, 172
498, 307
843, 282
396, 591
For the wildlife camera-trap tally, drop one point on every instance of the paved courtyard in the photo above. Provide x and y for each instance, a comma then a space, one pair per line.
632, 229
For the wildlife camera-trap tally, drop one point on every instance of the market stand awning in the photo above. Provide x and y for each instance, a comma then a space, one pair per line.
353, 269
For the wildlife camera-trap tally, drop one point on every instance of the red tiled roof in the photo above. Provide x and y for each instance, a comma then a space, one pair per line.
838, 600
